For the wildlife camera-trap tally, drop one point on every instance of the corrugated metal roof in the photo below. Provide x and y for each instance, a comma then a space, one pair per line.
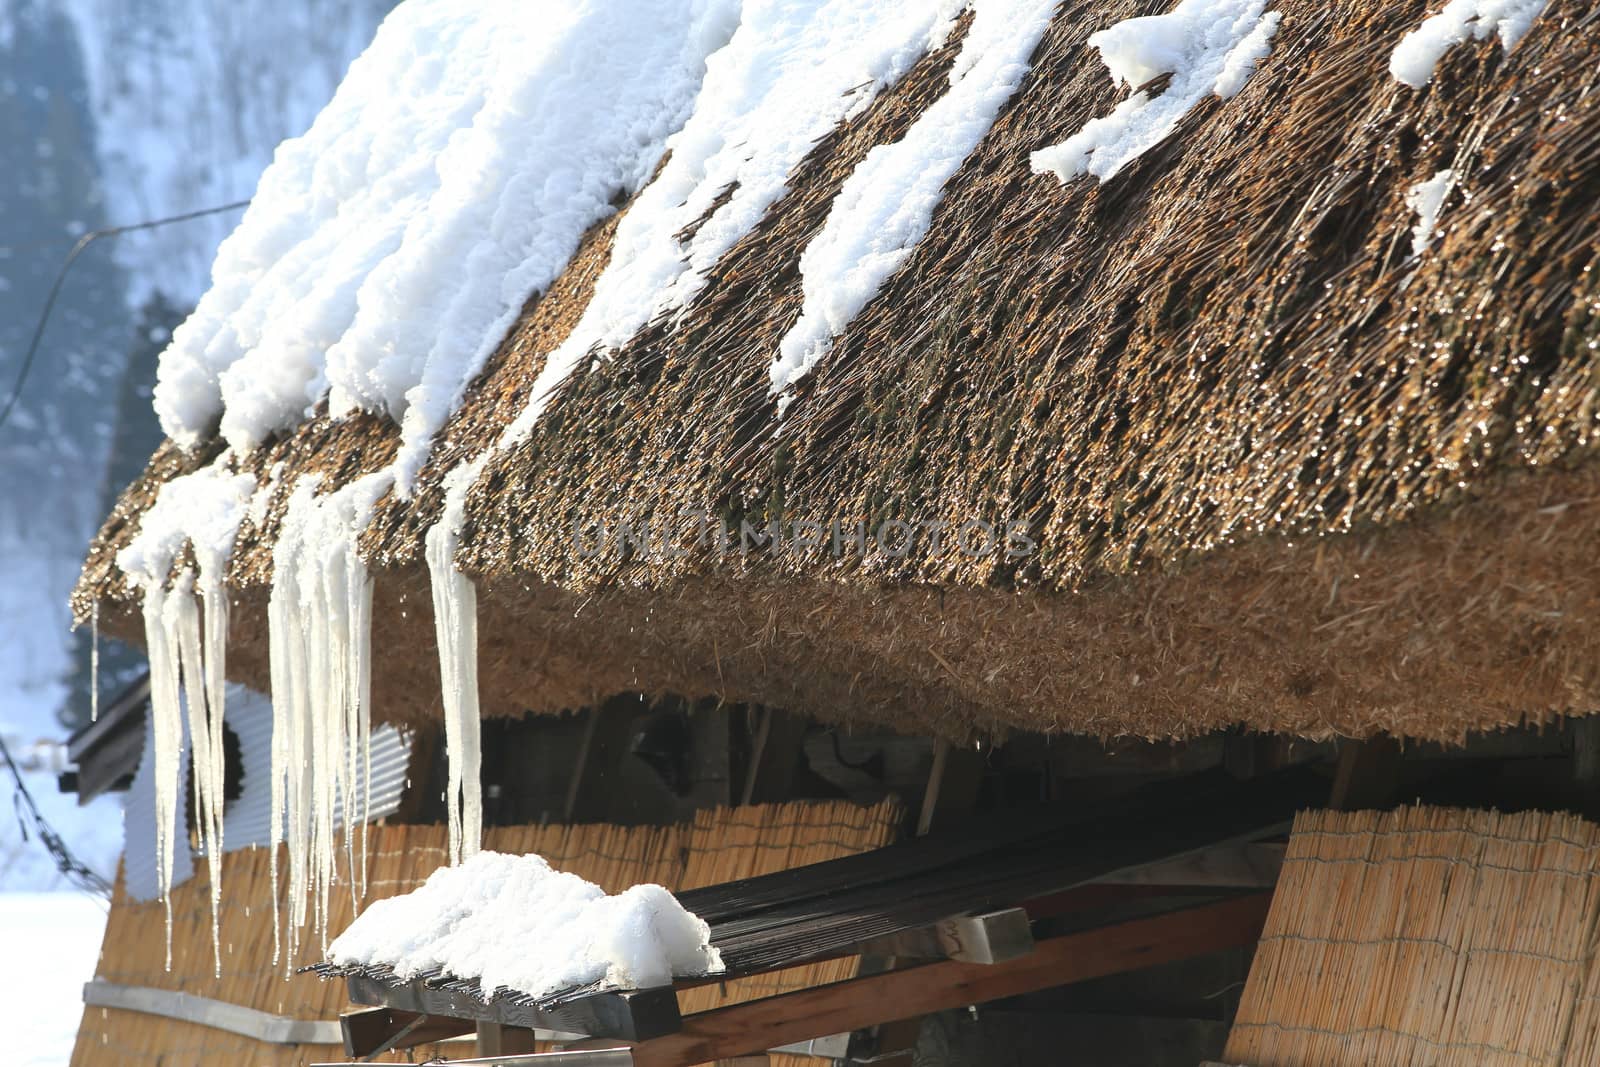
247, 820
139, 824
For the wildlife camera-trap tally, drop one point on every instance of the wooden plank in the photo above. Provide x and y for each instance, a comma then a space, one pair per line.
845, 1006
632, 1016
774, 758
610, 1057
110, 763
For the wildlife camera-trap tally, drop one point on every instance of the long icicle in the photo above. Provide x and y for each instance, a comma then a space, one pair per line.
181, 616
94, 660
214, 604
321, 612
278, 644
166, 726
455, 621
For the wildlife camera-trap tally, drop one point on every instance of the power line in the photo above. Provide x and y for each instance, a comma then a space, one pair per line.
61, 276
78, 873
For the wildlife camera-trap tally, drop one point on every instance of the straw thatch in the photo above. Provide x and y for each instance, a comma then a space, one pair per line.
720, 845
1279, 471
1428, 936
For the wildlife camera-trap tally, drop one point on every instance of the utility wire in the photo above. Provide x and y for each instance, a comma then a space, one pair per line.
61, 276
28, 814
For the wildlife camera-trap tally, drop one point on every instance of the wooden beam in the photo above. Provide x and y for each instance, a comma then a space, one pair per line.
758, 749
992, 937
632, 1016
1253, 865
774, 757
497, 1040
953, 783
853, 1005
370, 1031
1586, 751
591, 720
1367, 774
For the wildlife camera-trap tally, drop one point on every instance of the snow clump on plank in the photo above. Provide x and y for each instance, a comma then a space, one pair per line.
1208, 46
512, 922
1419, 51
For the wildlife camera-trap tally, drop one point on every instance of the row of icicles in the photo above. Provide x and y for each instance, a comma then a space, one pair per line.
320, 633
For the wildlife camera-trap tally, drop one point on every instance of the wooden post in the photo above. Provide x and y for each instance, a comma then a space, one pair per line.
591, 721
1367, 775
953, 783
497, 1040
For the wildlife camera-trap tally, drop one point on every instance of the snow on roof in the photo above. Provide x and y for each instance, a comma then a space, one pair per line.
1419, 52
1427, 200
388, 249
512, 922
887, 204
1208, 46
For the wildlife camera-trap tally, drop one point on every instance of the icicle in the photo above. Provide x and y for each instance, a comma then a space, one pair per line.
166, 724
320, 615
181, 617
278, 637
94, 660
202, 510
455, 621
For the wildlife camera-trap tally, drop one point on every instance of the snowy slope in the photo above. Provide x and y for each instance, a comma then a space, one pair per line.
45, 1003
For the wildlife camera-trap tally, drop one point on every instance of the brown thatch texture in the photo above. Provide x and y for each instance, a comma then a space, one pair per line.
722, 844
1428, 936
1171, 379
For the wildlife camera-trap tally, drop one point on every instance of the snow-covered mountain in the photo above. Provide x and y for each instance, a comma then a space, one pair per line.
190, 99
113, 112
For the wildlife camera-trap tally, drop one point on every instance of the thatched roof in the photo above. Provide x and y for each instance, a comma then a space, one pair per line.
1280, 471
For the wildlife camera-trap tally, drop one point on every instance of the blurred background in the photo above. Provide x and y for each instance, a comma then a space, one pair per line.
112, 113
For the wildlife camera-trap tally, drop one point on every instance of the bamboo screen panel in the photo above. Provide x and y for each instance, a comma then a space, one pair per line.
1428, 936
720, 845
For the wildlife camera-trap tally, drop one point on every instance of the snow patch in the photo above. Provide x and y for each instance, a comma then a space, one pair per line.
1427, 200
1419, 52
388, 250
514, 923
884, 208
1208, 46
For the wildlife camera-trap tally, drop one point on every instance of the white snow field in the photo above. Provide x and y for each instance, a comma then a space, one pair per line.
512, 922
52, 941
